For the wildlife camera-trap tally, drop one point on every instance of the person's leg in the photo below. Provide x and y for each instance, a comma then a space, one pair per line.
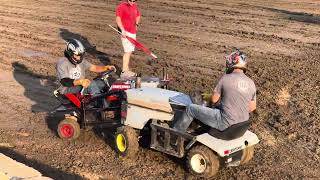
72, 90
208, 116
95, 87
100, 83
182, 120
128, 49
126, 61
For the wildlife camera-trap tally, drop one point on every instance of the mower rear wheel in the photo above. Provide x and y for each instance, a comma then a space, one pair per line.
202, 162
126, 142
69, 129
247, 154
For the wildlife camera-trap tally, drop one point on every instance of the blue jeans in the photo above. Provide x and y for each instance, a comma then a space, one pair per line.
94, 88
209, 116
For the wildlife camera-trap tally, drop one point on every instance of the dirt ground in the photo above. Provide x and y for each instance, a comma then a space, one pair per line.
191, 37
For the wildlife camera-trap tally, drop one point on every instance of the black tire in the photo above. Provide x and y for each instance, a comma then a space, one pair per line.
247, 155
126, 142
68, 129
202, 162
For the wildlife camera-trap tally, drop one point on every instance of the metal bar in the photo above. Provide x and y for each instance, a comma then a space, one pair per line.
154, 141
174, 131
167, 138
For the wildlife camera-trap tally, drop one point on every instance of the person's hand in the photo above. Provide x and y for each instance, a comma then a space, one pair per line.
85, 82
206, 97
123, 33
82, 82
108, 68
112, 68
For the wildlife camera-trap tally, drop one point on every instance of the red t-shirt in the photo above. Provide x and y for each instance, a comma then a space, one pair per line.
128, 15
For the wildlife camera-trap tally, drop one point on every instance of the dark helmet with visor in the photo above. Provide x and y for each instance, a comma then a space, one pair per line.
74, 47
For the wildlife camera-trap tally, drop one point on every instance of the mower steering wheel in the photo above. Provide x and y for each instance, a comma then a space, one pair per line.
107, 72
105, 75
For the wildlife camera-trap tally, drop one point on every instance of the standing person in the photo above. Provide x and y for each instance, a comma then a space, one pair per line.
71, 70
128, 19
237, 94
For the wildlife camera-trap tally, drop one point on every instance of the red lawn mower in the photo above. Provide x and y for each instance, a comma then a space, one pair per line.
106, 110
81, 111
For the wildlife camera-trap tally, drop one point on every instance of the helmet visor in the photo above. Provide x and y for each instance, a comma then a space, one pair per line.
78, 52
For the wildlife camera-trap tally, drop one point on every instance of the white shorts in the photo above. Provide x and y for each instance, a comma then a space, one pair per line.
127, 45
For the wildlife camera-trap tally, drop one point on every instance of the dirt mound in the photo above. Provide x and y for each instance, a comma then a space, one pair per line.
190, 38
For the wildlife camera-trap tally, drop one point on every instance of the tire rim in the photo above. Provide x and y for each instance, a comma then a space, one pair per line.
67, 131
121, 143
198, 163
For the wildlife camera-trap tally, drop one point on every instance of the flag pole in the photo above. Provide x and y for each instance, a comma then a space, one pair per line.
135, 42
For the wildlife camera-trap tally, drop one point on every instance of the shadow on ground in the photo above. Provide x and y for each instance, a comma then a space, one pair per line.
296, 16
38, 88
44, 169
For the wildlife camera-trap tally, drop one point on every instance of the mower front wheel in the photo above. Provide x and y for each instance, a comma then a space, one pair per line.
69, 129
126, 142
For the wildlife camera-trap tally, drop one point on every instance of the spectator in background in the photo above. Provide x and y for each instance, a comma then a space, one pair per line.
128, 19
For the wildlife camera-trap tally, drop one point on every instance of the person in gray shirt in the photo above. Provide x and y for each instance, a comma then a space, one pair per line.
71, 70
236, 93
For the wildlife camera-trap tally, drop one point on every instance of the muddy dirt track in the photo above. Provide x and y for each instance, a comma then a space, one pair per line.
190, 37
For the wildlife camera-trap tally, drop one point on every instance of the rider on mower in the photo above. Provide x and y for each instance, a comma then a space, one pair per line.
71, 71
237, 95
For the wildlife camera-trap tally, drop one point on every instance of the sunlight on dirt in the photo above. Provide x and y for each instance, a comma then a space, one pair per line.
283, 97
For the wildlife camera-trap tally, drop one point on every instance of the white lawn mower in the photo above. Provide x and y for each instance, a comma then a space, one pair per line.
151, 111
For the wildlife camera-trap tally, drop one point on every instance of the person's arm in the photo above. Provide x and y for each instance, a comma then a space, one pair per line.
138, 20
217, 91
119, 23
253, 102
119, 14
96, 68
68, 82
82, 82
252, 105
215, 97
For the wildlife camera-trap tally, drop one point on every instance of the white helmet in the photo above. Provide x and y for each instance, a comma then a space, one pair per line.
236, 60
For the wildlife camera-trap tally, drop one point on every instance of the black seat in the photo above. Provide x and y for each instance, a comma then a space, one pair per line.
232, 132
61, 97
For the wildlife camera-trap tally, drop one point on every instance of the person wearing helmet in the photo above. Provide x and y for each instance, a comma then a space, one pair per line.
127, 18
236, 93
71, 70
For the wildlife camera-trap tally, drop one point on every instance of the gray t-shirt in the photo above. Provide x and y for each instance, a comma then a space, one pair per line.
236, 90
65, 69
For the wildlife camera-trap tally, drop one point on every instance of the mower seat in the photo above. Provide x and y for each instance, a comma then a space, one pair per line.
232, 132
